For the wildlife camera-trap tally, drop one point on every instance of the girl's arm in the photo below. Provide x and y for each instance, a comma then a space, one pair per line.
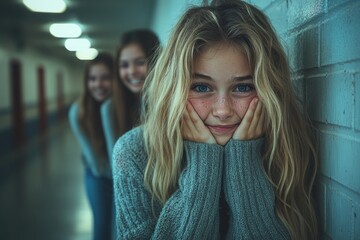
192, 210
248, 192
89, 155
108, 126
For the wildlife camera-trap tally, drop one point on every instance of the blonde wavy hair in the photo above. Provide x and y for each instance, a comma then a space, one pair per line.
289, 157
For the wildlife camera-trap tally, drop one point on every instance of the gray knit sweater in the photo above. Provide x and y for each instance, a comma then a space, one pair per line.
192, 212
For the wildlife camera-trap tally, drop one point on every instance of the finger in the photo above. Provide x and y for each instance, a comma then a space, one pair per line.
256, 118
190, 130
241, 132
194, 116
261, 125
199, 131
189, 124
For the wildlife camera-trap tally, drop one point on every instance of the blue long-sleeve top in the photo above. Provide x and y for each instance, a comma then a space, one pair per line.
97, 165
108, 126
193, 210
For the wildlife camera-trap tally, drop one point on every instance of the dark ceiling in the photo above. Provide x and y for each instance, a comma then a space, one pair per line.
102, 22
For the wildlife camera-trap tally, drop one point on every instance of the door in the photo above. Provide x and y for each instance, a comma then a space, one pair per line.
17, 103
41, 100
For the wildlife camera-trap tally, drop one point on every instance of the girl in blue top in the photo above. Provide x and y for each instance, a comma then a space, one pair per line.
85, 121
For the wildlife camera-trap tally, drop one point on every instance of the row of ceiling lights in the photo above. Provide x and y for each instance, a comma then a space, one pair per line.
71, 31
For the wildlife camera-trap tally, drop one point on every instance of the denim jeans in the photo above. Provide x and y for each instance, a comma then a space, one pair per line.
100, 194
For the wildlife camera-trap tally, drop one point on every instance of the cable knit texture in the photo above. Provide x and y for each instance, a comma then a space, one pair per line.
250, 195
192, 212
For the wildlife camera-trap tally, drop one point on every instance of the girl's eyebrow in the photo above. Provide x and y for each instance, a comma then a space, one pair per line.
235, 79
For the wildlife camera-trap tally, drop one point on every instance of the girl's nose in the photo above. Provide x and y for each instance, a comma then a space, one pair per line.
222, 108
132, 69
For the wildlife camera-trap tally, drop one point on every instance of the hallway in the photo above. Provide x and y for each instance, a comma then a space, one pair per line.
42, 190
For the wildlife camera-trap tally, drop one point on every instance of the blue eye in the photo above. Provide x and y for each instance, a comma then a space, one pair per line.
244, 88
200, 88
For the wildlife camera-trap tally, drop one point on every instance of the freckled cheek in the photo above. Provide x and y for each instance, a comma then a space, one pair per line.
201, 107
90, 86
144, 70
241, 106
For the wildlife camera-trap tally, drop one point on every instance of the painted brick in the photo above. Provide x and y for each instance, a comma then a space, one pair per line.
261, 4
334, 3
310, 48
344, 45
298, 86
357, 221
278, 17
321, 207
292, 51
303, 49
357, 101
341, 215
302, 11
339, 160
329, 99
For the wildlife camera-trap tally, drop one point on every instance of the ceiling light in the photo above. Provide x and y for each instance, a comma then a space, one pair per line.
77, 44
65, 30
49, 6
87, 54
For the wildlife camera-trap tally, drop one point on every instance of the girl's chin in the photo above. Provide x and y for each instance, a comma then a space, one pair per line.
222, 140
101, 99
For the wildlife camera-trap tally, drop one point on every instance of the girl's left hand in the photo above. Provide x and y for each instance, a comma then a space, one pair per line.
252, 125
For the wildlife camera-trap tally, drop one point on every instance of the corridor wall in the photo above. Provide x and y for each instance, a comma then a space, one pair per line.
62, 83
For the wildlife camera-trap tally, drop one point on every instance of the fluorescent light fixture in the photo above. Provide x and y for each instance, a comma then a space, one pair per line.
87, 54
65, 30
77, 44
49, 6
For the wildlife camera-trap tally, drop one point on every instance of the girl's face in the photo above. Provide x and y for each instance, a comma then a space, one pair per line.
221, 90
133, 67
99, 82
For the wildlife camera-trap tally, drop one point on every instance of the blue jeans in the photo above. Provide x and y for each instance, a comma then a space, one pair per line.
100, 194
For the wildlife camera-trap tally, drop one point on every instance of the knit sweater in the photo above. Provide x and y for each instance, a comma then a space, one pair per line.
98, 166
192, 211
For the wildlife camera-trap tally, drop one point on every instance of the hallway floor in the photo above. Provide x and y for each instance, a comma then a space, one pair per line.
42, 194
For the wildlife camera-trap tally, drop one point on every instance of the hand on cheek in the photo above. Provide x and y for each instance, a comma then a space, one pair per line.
252, 125
193, 128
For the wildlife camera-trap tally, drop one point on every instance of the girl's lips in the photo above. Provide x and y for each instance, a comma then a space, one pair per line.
222, 129
135, 81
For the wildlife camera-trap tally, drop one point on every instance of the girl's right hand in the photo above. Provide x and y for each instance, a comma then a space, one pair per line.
193, 128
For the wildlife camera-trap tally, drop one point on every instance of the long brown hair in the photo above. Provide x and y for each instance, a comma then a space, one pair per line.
89, 108
289, 157
126, 105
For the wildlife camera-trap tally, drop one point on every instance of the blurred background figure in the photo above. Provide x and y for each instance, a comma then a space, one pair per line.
85, 121
135, 57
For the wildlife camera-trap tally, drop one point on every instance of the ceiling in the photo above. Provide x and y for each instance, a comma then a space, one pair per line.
102, 22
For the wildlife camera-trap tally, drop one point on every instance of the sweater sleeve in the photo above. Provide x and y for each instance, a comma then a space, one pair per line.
249, 194
108, 126
90, 156
192, 210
